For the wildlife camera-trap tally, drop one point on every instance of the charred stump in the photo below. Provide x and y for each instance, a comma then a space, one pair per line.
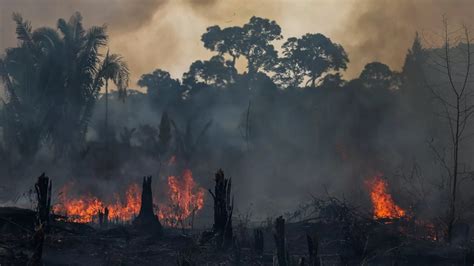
223, 209
104, 217
43, 196
280, 242
258, 241
313, 250
146, 219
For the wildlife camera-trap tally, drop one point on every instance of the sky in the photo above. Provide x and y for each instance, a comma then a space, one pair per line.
165, 34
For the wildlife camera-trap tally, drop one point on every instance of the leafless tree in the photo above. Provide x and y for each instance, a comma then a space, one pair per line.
455, 96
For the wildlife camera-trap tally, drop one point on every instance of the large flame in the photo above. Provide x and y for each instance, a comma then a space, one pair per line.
84, 209
185, 199
383, 204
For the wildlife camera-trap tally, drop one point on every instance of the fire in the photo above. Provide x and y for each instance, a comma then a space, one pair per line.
185, 199
383, 204
85, 208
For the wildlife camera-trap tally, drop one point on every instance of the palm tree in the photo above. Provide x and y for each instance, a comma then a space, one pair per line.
115, 69
53, 79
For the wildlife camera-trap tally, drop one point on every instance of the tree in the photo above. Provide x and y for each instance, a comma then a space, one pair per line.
311, 56
457, 110
379, 76
215, 72
252, 40
113, 68
162, 90
224, 41
414, 87
288, 71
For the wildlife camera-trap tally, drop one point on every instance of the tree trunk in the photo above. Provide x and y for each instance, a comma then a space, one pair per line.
106, 121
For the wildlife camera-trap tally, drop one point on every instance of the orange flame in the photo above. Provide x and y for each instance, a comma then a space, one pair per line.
383, 204
185, 199
85, 208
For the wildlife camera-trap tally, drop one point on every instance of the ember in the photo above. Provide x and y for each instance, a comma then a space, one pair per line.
185, 199
383, 204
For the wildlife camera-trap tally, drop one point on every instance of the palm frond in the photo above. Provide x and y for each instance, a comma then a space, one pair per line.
46, 38
23, 29
75, 24
116, 69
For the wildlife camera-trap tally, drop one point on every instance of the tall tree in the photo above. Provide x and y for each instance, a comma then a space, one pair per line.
311, 56
457, 108
113, 68
253, 41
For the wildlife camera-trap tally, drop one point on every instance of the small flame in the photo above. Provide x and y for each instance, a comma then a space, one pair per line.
383, 204
185, 199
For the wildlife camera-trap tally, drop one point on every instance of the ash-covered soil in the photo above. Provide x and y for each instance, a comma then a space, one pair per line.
80, 244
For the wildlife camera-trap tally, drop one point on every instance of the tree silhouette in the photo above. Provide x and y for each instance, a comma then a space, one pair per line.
113, 68
313, 55
162, 90
377, 75
215, 72
252, 40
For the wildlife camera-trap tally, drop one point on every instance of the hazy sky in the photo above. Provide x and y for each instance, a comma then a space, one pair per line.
166, 33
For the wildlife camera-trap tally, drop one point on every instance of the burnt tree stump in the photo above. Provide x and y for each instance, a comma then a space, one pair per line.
258, 241
223, 209
313, 249
146, 219
280, 242
104, 217
43, 196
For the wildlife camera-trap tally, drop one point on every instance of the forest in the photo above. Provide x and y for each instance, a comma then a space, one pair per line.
276, 113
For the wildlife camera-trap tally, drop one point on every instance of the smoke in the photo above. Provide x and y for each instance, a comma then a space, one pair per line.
383, 30
166, 34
